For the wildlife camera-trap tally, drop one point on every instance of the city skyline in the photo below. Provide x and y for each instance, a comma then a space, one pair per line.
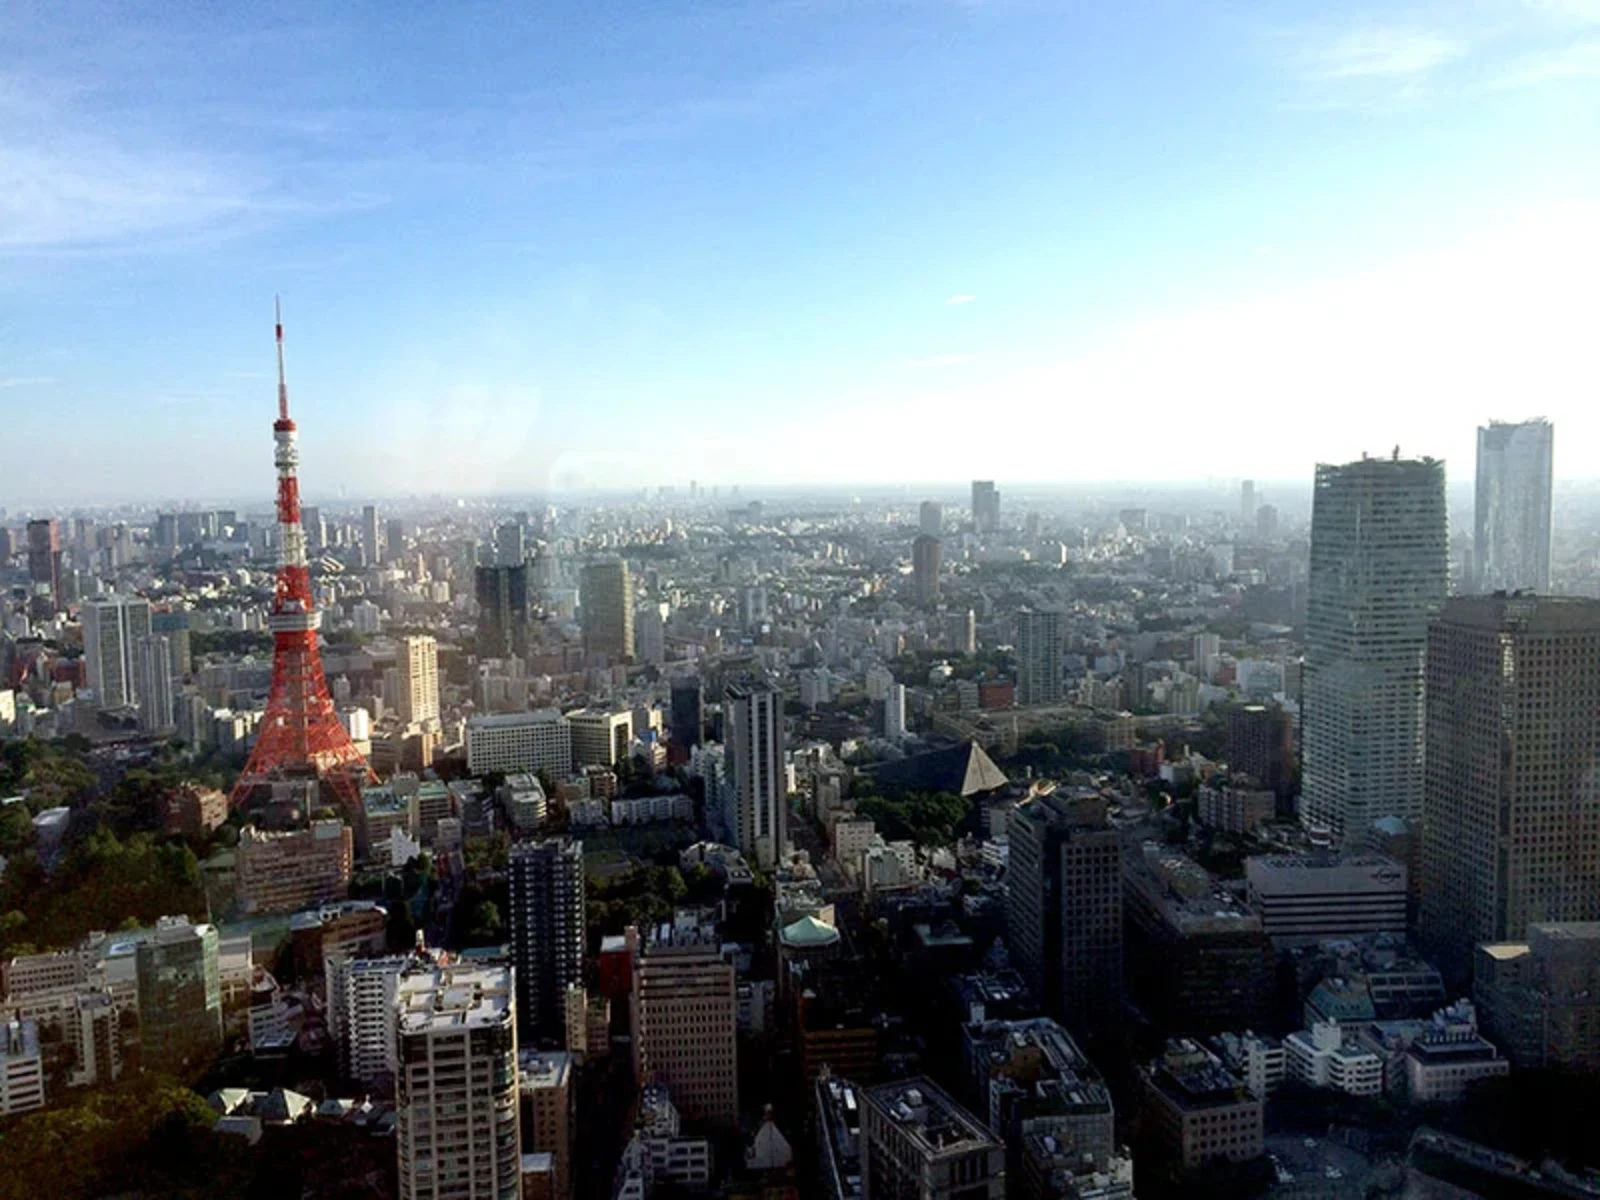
508, 256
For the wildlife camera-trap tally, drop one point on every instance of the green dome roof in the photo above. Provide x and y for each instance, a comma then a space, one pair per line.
808, 931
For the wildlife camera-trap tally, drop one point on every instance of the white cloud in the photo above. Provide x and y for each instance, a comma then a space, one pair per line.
961, 298
1384, 52
1581, 61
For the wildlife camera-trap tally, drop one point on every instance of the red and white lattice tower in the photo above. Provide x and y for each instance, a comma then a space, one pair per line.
300, 736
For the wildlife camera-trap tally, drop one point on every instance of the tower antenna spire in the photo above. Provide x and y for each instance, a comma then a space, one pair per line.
283, 386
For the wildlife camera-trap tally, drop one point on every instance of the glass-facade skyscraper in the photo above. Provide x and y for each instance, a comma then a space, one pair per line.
1511, 534
1380, 571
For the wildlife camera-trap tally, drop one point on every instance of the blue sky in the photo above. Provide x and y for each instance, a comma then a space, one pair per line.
616, 244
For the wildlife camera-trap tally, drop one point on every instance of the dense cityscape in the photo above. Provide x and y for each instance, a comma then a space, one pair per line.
799, 600
713, 843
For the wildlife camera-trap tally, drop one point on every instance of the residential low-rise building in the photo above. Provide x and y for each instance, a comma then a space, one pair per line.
282, 872
1449, 1056
1325, 1056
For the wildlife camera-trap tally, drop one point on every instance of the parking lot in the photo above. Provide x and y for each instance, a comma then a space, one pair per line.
1320, 1167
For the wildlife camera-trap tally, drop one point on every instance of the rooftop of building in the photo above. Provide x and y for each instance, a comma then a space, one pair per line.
808, 932
438, 998
1524, 613
540, 716
1068, 1081
930, 1117
1193, 1077
540, 1069
1189, 897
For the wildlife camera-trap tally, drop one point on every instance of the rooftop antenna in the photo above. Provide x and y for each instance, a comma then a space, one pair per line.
283, 387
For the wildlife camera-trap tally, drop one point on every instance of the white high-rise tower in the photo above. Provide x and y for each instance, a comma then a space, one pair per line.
1511, 536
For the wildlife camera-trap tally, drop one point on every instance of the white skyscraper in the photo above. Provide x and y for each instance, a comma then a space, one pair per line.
753, 713
894, 713
361, 1015
1379, 573
153, 672
1511, 537
457, 1127
419, 680
112, 626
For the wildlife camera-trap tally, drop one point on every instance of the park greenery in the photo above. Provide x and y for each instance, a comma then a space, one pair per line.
927, 818
145, 1136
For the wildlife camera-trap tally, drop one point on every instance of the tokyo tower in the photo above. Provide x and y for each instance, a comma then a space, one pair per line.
300, 736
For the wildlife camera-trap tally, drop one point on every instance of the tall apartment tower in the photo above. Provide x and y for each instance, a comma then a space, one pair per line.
547, 930
1247, 504
112, 627
180, 997
985, 506
361, 1016
1380, 569
1064, 906
44, 557
419, 679
1038, 657
930, 519
153, 670
1511, 536
607, 599
753, 733
456, 1127
686, 717
926, 553
371, 534
1511, 819
685, 1023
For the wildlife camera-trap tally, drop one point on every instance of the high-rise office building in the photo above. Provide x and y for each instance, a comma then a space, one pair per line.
44, 558
153, 676
502, 596
753, 733
419, 679
1064, 906
1247, 504
1511, 535
1038, 657
7, 547
173, 624
607, 600
112, 627
547, 930
650, 633
926, 553
510, 545
1539, 999
930, 519
316, 529
685, 1022
1511, 820
394, 540
985, 506
1380, 570
180, 997
371, 535
686, 717
456, 1118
